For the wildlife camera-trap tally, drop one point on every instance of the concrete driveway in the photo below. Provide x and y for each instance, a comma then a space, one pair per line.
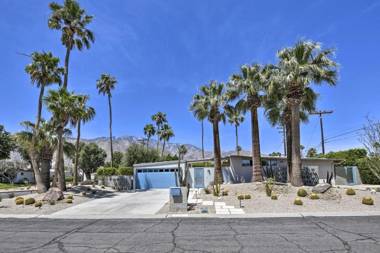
121, 205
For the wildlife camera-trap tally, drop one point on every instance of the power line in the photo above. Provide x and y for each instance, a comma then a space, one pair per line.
320, 113
344, 133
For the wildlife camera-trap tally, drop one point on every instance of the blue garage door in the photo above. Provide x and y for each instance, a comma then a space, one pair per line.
155, 178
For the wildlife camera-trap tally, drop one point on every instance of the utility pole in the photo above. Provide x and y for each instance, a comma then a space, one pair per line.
281, 130
320, 113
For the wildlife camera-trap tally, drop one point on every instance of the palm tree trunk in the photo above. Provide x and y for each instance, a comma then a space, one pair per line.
158, 145
256, 155
45, 170
58, 172
66, 71
218, 175
203, 132
296, 179
39, 111
237, 139
163, 148
37, 175
75, 181
110, 113
288, 131
147, 143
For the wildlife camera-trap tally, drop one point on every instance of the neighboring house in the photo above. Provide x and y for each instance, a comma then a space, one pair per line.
236, 169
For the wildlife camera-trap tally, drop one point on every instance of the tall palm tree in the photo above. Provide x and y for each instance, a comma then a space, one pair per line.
249, 87
72, 21
235, 117
160, 119
200, 114
83, 114
165, 133
300, 66
62, 105
212, 98
149, 131
182, 151
43, 71
105, 85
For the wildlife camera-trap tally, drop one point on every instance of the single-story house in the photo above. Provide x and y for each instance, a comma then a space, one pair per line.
235, 169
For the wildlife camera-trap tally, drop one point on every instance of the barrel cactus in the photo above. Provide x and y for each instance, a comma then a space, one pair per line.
19, 200
69, 201
274, 196
367, 201
298, 202
314, 196
350, 191
301, 192
29, 201
38, 204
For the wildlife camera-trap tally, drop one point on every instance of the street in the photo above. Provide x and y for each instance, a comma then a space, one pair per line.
330, 234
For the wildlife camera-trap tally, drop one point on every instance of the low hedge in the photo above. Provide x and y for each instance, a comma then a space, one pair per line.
110, 171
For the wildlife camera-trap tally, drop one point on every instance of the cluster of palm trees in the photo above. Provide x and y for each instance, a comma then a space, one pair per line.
283, 90
161, 129
43, 140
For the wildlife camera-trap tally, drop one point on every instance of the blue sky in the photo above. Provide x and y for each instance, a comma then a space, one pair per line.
162, 51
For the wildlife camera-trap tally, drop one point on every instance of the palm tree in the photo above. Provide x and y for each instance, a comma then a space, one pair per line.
235, 117
249, 87
165, 133
72, 21
83, 114
62, 105
105, 85
300, 66
43, 71
200, 114
182, 150
212, 98
160, 119
149, 131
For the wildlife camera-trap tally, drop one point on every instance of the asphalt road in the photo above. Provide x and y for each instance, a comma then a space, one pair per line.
338, 234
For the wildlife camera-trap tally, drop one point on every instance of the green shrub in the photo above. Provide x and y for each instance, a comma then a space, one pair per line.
247, 196
240, 197
269, 186
38, 204
314, 196
100, 171
350, 191
69, 201
125, 171
69, 179
274, 196
202, 164
19, 200
29, 201
109, 171
367, 201
298, 202
366, 167
70, 196
301, 192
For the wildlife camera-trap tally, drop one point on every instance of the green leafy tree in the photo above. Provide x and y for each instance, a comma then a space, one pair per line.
7, 144
249, 87
149, 132
137, 153
83, 114
300, 67
312, 152
275, 154
117, 159
213, 99
159, 119
72, 21
165, 133
62, 105
91, 157
105, 85
235, 117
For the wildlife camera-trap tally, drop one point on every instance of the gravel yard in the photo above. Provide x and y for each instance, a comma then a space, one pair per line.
8, 205
334, 200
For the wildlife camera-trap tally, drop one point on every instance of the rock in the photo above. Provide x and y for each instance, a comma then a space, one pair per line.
54, 194
321, 188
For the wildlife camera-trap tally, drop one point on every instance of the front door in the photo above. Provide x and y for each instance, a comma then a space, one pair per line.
199, 178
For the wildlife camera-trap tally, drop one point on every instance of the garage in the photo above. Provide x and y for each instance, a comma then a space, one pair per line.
159, 175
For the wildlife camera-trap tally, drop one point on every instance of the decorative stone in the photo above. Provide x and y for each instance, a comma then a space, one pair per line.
321, 188
53, 194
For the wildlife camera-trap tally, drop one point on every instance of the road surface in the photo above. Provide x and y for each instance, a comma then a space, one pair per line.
330, 234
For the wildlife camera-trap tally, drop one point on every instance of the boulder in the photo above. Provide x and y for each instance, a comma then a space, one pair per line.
54, 194
321, 188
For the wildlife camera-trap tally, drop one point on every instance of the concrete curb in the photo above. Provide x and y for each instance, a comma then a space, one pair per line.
184, 216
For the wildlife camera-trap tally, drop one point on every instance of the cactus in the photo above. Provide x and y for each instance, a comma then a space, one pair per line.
38, 204
367, 201
19, 201
301, 192
247, 196
29, 201
269, 186
240, 197
216, 190
274, 196
350, 191
69, 201
70, 196
225, 193
298, 202
314, 196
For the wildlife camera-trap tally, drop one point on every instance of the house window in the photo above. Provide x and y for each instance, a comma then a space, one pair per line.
246, 163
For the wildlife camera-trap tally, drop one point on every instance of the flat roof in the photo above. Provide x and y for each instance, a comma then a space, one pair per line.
284, 158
